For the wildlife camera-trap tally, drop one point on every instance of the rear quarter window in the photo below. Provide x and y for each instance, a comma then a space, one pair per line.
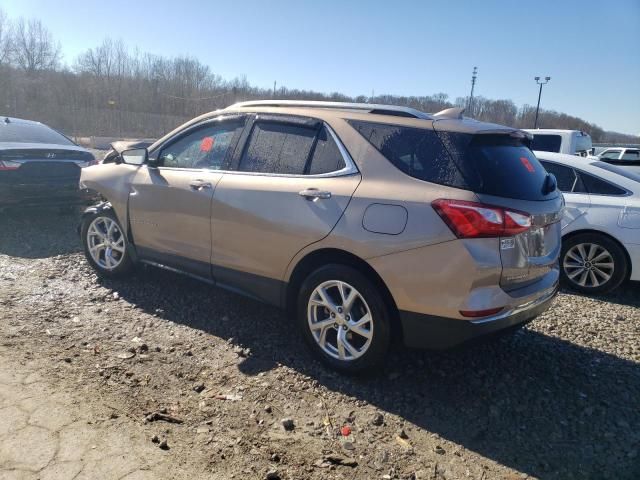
597, 186
417, 152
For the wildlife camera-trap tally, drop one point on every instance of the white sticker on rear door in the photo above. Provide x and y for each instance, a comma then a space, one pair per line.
507, 243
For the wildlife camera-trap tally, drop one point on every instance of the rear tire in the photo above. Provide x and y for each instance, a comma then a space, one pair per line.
105, 245
592, 263
344, 319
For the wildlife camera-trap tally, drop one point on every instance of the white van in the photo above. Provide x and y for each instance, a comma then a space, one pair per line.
571, 142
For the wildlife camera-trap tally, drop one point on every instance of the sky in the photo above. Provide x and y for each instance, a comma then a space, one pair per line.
589, 48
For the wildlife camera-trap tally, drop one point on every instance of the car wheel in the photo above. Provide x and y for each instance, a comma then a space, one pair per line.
344, 318
593, 263
105, 245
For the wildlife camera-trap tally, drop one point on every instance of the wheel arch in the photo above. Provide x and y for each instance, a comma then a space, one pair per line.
592, 231
324, 256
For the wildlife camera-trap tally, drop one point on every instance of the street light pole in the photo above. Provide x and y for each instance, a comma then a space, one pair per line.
541, 83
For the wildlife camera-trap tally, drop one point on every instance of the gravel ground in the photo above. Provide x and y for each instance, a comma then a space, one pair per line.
559, 399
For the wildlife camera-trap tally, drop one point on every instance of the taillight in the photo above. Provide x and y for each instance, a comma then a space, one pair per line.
477, 220
9, 165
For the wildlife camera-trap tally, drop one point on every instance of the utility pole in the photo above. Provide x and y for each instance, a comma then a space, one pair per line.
274, 89
541, 83
474, 75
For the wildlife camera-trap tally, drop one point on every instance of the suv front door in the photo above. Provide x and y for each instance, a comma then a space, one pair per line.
170, 201
289, 186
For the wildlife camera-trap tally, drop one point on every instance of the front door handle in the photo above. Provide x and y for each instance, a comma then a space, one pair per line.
313, 194
199, 185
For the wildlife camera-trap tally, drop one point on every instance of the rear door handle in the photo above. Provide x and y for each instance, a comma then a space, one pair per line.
314, 194
199, 185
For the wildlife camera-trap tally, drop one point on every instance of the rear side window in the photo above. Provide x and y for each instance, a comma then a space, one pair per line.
278, 148
631, 155
31, 133
546, 143
596, 186
416, 151
565, 176
293, 149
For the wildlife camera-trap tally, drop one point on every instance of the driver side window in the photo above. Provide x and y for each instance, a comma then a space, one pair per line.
206, 147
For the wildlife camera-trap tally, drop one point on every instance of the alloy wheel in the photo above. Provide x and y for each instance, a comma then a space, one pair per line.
105, 243
589, 265
340, 320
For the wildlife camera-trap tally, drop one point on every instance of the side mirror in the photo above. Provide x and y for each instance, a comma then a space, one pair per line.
136, 156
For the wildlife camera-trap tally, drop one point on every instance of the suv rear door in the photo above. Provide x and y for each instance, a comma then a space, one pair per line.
503, 172
290, 183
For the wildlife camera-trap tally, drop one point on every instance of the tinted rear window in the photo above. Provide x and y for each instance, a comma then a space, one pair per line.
546, 143
597, 186
498, 165
31, 133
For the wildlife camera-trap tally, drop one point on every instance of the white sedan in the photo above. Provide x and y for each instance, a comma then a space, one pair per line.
601, 224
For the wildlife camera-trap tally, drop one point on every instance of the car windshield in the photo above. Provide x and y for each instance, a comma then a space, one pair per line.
31, 133
546, 143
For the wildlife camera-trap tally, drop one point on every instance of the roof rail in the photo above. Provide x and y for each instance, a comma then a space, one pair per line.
454, 113
368, 107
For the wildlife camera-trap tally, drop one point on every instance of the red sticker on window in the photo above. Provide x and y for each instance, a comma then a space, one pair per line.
207, 144
527, 164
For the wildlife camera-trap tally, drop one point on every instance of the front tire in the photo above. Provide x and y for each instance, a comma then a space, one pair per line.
105, 245
344, 319
592, 263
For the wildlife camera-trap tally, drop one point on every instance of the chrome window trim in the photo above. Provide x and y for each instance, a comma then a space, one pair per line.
349, 169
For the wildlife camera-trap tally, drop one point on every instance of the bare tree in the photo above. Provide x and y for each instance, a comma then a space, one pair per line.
33, 47
5, 38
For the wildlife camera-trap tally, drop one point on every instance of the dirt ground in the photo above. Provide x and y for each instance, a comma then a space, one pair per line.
159, 376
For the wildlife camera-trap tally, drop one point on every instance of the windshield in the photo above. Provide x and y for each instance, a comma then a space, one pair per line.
546, 143
31, 133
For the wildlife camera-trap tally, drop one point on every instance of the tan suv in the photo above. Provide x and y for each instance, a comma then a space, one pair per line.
364, 220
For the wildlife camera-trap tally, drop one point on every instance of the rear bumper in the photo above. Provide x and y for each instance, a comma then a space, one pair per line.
438, 333
28, 195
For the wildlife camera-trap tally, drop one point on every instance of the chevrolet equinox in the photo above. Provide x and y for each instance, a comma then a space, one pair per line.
364, 221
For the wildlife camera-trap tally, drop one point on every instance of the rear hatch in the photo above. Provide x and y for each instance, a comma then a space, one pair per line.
503, 172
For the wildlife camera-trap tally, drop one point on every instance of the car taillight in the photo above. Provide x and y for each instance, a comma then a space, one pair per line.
9, 165
477, 220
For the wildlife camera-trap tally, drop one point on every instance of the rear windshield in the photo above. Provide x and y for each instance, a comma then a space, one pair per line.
620, 171
499, 165
31, 133
546, 143
583, 144
490, 164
